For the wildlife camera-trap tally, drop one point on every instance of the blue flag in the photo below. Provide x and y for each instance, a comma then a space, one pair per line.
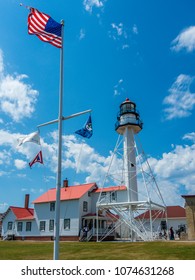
86, 131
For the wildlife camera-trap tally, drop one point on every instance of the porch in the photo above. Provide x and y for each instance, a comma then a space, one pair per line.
93, 227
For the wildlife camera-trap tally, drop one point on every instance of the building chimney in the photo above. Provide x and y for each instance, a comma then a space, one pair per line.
65, 183
26, 203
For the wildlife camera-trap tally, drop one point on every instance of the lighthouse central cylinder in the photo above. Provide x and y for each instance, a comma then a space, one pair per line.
130, 164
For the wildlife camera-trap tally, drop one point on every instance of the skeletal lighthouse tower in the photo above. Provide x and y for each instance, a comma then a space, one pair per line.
128, 124
136, 205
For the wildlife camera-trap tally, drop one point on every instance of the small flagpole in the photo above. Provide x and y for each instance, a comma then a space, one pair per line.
58, 183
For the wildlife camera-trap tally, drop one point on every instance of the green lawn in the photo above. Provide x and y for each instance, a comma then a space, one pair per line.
170, 250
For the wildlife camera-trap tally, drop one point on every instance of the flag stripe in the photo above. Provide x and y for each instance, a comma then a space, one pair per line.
45, 28
37, 23
40, 20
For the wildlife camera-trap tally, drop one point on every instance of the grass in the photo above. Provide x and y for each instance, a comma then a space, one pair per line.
170, 250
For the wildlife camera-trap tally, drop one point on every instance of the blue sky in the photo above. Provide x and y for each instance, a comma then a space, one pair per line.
144, 50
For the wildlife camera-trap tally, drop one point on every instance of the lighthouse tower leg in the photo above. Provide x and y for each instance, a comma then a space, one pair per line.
130, 165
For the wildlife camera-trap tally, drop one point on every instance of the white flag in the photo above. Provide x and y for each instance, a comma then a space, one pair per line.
32, 137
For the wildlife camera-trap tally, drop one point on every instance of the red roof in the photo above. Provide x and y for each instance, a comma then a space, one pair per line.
110, 189
69, 193
172, 212
23, 213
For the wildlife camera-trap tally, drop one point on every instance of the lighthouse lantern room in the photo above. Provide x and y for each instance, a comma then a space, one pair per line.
128, 117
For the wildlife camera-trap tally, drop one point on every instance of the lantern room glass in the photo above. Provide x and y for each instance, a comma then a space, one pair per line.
127, 107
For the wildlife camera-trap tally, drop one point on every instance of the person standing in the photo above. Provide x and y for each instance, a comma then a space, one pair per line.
171, 234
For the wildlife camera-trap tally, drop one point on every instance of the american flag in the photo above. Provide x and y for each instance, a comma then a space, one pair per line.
45, 28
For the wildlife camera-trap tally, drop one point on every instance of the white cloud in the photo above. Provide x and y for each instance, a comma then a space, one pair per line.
32, 190
123, 34
77, 155
21, 175
190, 136
185, 40
180, 101
125, 46
17, 98
20, 164
4, 173
84, 159
8, 139
82, 34
118, 88
118, 28
118, 31
135, 29
90, 4
176, 168
4, 157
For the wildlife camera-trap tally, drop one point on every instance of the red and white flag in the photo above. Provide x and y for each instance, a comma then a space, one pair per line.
45, 28
38, 158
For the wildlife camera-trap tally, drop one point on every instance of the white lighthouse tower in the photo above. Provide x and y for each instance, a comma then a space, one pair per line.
128, 124
135, 203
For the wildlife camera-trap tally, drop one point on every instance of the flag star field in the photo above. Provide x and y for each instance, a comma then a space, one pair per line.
113, 50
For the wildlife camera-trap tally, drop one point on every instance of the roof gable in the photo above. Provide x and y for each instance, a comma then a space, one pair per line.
176, 212
69, 193
22, 213
172, 212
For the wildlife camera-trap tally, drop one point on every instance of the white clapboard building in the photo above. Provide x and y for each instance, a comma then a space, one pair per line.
77, 210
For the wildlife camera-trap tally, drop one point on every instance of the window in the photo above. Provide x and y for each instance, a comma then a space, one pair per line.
9, 225
42, 225
113, 196
103, 196
51, 225
19, 226
85, 206
127, 107
66, 224
52, 206
28, 226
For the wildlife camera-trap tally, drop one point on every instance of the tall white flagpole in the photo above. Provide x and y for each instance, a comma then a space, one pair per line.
58, 183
